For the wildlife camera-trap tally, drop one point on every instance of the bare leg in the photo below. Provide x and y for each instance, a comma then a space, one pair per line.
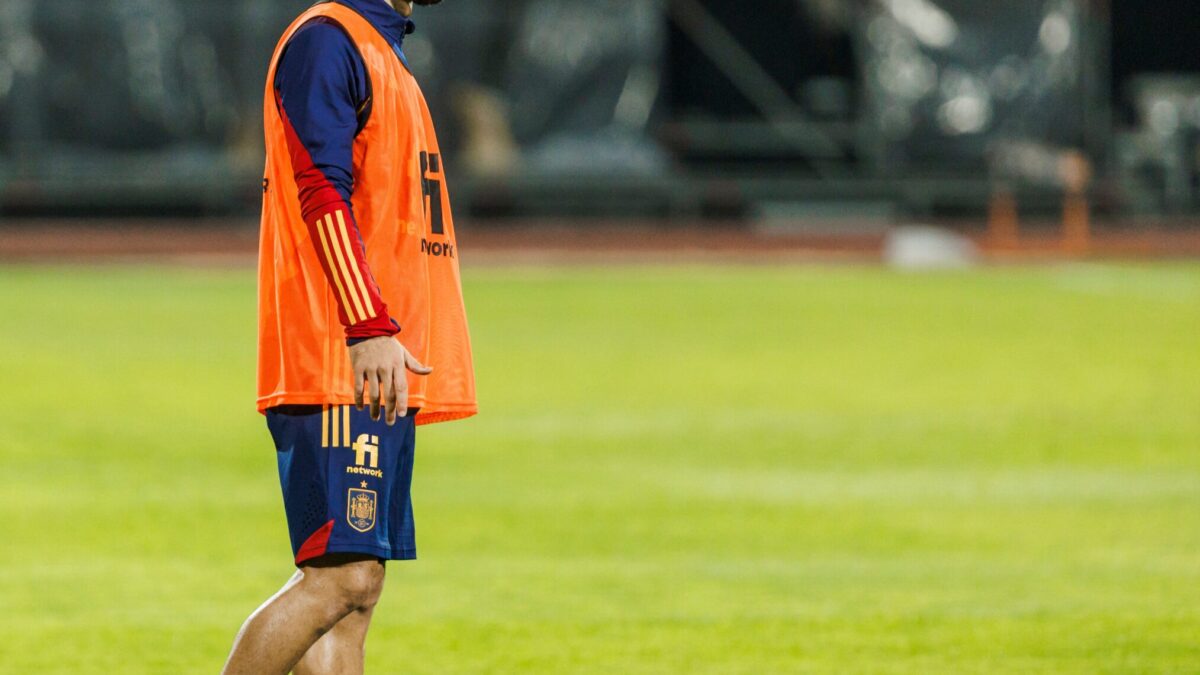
341, 651
311, 604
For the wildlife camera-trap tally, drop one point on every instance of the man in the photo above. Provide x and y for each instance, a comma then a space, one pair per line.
358, 289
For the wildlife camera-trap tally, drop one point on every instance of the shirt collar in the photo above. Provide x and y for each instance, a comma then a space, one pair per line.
385, 18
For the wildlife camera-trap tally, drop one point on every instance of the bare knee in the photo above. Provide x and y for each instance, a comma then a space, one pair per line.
361, 584
351, 586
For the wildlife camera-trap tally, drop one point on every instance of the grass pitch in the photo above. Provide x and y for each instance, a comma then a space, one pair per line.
690, 470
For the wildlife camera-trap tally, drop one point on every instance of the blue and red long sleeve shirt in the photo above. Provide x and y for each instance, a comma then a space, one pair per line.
324, 95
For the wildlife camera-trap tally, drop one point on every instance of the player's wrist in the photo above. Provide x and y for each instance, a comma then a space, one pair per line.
381, 326
359, 333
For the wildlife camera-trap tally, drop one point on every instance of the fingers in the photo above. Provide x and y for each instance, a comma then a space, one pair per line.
380, 383
389, 396
359, 376
416, 366
373, 385
400, 387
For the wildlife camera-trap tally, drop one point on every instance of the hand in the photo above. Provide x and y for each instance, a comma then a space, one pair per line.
379, 365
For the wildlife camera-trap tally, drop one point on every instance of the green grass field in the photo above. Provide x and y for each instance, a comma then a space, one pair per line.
689, 470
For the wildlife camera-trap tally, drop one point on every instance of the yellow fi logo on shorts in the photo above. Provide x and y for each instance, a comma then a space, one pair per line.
366, 446
366, 451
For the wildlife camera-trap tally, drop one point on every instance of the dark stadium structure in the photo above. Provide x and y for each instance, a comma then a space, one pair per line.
677, 109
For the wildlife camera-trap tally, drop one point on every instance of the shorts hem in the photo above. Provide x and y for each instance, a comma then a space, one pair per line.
377, 551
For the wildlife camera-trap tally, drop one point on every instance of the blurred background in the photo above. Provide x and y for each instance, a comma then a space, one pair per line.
811, 336
794, 111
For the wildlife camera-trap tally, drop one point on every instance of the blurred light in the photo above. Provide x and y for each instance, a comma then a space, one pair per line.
1164, 117
932, 26
25, 54
912, 77
880, 33
1055, 34
966, 114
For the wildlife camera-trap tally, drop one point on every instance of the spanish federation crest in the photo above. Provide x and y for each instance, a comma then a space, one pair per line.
360, 509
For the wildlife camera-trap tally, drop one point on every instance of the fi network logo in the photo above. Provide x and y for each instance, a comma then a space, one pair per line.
366, 456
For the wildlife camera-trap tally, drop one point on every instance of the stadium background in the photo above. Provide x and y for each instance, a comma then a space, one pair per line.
812, 336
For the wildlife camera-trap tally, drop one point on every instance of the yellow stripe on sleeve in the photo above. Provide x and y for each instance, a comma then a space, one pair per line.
346, 426
337, 281
341, 258
362, 287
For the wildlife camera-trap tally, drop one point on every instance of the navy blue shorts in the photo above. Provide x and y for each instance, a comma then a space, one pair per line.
346, 481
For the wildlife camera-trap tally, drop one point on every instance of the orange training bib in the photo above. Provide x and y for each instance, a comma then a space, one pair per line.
402, 208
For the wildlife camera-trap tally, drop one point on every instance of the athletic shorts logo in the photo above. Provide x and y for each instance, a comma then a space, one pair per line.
366, 450
360, 509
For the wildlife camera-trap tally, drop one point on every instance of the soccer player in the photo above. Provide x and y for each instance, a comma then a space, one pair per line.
358, 290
